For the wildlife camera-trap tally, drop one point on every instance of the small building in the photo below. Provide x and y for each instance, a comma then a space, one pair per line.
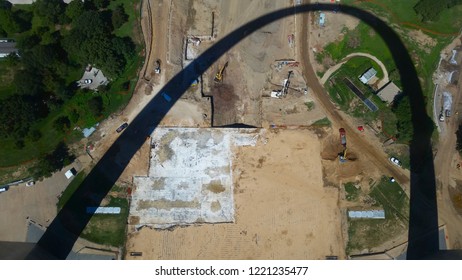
6, 47
366, 214
322, 19
70, 173
103, 210
368, 75
388, 92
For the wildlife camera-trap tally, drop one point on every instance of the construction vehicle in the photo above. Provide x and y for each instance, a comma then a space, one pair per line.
219, 75
286, 84
157, 67
343, 155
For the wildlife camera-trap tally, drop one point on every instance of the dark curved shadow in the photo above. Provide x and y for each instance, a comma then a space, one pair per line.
61, 235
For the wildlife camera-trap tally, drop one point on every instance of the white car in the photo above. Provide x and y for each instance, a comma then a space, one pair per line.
30, 184
87, 81
395, 161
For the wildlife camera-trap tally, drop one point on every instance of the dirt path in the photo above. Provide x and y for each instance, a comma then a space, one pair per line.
334, 68
445, 172
374, 155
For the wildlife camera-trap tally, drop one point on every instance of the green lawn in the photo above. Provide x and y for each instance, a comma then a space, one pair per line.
404, 18
351, 192
369, 233
102, 229
108, 229
349, 102
369, 42
132, 9
322, 122
400, 11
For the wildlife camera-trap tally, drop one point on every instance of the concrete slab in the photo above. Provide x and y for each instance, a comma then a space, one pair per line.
190, 177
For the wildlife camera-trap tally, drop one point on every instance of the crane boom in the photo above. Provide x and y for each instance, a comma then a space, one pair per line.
219, 75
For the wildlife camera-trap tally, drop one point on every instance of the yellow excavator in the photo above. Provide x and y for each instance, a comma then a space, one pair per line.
219, 75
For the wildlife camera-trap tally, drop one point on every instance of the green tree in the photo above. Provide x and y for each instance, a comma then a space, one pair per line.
54, 161
16, 116
402, 110
429, 10
95, 105
124, 47
28, 82
23, 19
119, 17
49, 10
62, 124
12, 60
7, 22
100, 4
74, 9
35, 135
90, 41
73, 116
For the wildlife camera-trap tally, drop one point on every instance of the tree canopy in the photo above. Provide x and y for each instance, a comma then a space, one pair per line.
402, 110
16, 116
429, 10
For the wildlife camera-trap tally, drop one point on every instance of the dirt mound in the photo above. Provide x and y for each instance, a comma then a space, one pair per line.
331, 148
224, 104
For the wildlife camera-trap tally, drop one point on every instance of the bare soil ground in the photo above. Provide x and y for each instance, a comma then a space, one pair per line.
447, 172
321, 36
277, 217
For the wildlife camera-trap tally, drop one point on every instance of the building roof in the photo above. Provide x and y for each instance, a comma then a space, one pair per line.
7, 47
368, 214
322, 18
388, 92
369, 74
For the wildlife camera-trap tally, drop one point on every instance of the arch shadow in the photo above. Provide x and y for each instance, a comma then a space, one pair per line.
62, 233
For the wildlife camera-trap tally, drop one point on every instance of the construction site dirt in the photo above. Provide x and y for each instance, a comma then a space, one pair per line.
260, 83
277, 217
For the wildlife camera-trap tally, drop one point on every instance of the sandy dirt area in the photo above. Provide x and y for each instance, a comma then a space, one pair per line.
277, 217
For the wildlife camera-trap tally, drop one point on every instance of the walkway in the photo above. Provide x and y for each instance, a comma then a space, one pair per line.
334, 68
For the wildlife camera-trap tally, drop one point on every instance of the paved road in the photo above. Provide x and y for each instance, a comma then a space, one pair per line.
374, 155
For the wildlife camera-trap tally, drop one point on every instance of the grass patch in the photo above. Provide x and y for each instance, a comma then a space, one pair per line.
132, 10
108, 229
402, 12
309, 105
322, 122
348, 102
6, 77
69, 191
104, 229
369, 233
369, 42
351, 191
